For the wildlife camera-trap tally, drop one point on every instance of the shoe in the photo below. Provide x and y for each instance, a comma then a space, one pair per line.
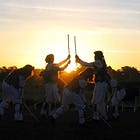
18, 117
96, 117
116, 116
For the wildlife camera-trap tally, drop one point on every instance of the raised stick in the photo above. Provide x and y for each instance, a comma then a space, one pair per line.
68, 45
75, 45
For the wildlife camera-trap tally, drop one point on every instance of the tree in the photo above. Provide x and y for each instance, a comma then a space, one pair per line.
129, 74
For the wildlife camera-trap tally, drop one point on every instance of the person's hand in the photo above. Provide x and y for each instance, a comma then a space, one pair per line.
68, 56
77, 58
69, 61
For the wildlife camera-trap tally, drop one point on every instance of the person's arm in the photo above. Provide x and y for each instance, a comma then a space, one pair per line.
65, 66
21, 81
83, 63
64, 61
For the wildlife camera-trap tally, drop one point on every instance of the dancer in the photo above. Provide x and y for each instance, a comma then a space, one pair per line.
51, 79
117, 95
101, 82
74, 93
12, 87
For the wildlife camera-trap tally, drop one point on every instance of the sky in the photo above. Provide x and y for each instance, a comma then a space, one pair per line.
31, 29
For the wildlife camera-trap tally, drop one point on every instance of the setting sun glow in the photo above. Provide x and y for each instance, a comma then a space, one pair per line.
31, 30
71, 67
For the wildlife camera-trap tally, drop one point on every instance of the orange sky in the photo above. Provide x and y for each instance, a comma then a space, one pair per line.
30, 31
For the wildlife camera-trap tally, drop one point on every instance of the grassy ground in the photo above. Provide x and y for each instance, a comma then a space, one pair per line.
126, 127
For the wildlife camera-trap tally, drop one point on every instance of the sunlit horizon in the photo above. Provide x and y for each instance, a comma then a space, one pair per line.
30, 30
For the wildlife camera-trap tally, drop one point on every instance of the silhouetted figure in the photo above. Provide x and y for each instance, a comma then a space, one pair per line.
12, 87
51, 78
74, 93
117, 95
101, 82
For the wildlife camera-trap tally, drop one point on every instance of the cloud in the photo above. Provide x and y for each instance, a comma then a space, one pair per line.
97, 13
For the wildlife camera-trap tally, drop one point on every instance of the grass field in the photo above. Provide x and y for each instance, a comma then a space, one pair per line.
126, 127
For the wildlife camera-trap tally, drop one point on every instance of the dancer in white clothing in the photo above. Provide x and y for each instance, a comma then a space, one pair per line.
101, 81
74, 94
51, 79
12, 88
117, 95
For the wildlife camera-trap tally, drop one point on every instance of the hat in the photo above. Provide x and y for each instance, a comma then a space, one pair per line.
98, 53
28, 67
49, 57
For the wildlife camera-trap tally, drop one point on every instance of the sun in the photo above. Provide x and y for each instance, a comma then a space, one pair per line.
72, 66
61, 48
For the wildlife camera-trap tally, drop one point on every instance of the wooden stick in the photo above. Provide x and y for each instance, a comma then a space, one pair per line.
75, 45
68, 45
27, 108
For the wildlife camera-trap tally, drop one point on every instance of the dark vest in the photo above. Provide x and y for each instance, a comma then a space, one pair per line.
50, 76
13, 78
101, 75
74, 85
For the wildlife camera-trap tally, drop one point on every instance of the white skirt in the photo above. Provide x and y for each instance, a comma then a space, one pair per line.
51, 93
99, 93
10, 93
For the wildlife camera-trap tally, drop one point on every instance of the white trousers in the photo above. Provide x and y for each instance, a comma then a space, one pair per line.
117, 97
98, 98
51, 93
11, 94
71, 98
51, 98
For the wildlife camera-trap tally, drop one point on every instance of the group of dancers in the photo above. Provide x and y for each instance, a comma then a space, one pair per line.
106, 96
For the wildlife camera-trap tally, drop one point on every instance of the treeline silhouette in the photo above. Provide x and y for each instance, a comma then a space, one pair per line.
126, 74
128, 77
